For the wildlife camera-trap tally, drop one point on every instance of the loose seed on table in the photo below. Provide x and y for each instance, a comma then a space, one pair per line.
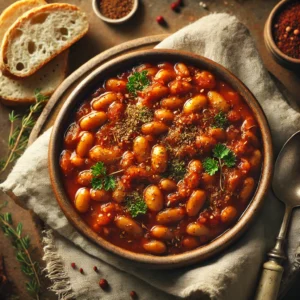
133, 295
103, 284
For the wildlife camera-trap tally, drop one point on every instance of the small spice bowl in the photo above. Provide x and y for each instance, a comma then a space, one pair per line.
97, 11
283, 59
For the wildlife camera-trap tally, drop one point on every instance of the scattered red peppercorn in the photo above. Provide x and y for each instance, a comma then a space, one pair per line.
73, 265
95, 269
103, 284
81, 270
160, 20
175, 6
133, 295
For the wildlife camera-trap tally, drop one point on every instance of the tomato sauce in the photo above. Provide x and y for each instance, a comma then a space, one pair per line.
162, 159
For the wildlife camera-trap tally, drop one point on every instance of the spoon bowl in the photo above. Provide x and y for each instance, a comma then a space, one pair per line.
286, 181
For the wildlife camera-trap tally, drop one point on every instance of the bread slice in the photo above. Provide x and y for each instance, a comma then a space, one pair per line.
15, 92
14, 11
20, 91
40, 35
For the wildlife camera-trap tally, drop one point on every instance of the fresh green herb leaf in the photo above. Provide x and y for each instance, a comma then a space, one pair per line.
220, 151
220, 120
109, 183
137, 82
222, 156
135, 204
98, 169
230, 159
39, 96
225, 154
18, 137
22, 244
100, 179
12, 116
211, 166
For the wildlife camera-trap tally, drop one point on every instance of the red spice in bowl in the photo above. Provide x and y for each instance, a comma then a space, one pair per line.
286, 30
115, 9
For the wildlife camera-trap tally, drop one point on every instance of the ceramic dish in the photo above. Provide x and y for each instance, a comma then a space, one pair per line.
88, 85
283, 59
114, 21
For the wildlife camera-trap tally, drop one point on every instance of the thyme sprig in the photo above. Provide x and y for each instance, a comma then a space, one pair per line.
19, 135
22, 245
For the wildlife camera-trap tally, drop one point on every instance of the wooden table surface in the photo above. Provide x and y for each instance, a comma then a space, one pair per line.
102, 36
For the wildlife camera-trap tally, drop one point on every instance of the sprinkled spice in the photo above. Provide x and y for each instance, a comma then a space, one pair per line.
103, 284
81, 270
95, 269
134, 117
73, 265
115, 9
286, 30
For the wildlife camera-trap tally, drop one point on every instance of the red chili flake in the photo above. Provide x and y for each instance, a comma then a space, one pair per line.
175, 6
160, 20
81, 270
133, 295
103, 284
95, 269
73, 265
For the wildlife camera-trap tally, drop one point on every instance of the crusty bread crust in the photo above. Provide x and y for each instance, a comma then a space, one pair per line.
27, 16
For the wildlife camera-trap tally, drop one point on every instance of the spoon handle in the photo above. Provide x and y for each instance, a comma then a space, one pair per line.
272, 270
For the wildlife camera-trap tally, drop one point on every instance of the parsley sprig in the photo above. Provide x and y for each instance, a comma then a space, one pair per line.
22, 245
135, 204
101, 180
220, 120
222, 156
137, 82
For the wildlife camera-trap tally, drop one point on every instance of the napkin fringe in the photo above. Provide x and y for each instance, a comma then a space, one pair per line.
61, 284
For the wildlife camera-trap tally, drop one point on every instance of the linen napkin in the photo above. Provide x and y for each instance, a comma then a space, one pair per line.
232, 274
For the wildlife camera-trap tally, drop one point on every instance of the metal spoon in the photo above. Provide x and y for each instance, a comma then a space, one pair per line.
286, 186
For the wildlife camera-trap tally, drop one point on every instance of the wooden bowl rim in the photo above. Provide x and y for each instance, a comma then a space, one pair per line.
132, 59
269, 40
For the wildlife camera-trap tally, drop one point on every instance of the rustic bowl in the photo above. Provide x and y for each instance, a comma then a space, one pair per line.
120, 64
114, 21
283, 59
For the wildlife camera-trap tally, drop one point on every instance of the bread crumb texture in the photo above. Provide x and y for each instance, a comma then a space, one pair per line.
42, 34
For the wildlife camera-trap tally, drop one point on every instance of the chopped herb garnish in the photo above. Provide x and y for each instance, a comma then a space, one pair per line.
137, 82
222, 156
176, 169
98, 169
134, 117
220, 120
135, 204
100, 178
211, 166
225, 154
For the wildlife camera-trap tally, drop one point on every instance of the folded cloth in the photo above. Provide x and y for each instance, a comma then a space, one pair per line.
230, 275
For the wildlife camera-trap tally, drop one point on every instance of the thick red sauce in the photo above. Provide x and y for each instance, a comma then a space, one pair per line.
189, 209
